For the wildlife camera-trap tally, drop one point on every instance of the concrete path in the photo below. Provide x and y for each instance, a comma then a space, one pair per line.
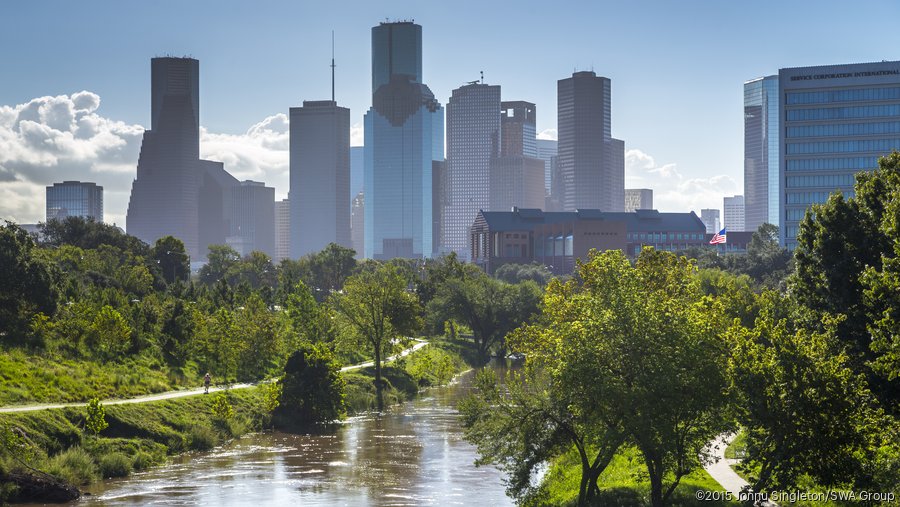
194, 392
720, 469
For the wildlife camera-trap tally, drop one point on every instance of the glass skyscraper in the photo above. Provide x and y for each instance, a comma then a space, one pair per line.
403, 137
75, 199
836, 120
761, 154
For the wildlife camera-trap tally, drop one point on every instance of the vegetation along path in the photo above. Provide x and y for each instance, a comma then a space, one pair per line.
721, 470
193, 392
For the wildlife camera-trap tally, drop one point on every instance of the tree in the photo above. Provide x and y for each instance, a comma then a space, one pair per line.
219, 261
309, 321
27, 283
110, 335
95, 420
173, 260
515, 273
312, 391
489, 307
637, 348
378, 308
89, 234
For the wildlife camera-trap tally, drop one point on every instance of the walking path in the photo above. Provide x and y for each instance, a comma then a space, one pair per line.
193, 392
720, 469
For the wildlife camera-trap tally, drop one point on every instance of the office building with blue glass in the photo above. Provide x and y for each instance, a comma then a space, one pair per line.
761, 154
75, 199
403, 138
836, 120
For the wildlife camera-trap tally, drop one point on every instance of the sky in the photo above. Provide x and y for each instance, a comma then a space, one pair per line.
75, 77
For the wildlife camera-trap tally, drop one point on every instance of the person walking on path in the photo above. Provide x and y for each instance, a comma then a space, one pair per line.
206, 381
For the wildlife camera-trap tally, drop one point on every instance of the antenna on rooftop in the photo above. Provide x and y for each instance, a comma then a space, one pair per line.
482, 77
332, 65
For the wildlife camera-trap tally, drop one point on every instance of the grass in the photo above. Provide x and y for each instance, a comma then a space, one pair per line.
737, 447
623, 483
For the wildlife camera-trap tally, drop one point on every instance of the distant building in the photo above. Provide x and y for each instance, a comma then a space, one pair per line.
591, 162
736, 242
557, 239
638, 198
710, 218
357, 170
546, 151
836, 121
473, 139
358, 224
517, 175
403, 137
733, 211
761, 152
282, 230
320, 176
75, 199
252, 218
440, 200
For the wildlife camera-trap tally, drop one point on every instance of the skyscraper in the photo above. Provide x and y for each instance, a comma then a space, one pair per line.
252, 218
473, 139
358, 224
175, 192
517, 175
320, 176
403, 137
734, 212
638, 198
761, 153
282, 230
710, 218
546, 151
836, 120
75, 199
591, 162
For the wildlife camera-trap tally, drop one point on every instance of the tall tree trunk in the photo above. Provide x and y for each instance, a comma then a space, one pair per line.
379, 394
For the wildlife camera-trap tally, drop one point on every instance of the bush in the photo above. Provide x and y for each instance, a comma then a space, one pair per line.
74, 466
142, 460
116, 464
202, 438
313, 389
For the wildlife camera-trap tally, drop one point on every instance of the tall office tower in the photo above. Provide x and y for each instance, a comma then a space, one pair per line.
638, 198
591, 162
761, 154
734, 214
710, 218
403, 136
175, 192
439, 201
320, 176
517, 175
252, 218
473, 139
75, 199
836, 120
358, 224
282, 230
546, 150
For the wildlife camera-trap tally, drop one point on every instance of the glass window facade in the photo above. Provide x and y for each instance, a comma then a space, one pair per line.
761, 157
75, 199
837, 120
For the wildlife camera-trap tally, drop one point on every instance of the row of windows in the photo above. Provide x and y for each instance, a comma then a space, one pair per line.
821, 180
843, 95
795, 214
816, 164
812, 197
845, 129
836, 113
659, 237
884, 145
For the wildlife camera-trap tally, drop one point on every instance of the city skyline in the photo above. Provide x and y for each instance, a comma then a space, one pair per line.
244, 117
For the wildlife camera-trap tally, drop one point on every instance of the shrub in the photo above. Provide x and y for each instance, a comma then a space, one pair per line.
96, 417
116, 464
202, 438
74, 465
142, 460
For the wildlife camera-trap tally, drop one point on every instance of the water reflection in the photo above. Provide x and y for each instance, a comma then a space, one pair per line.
412, 455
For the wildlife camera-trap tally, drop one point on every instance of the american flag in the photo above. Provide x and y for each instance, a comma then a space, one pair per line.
718, 238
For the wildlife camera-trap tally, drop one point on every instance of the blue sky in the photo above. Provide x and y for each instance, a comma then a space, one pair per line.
677, 70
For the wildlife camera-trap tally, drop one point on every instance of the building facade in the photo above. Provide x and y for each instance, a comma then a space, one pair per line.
557, 239
75, 199
761, 153
320, 176
733, 213
403, 137
836, 120
517, 175
638, 198
358, 224
282, 230
547, 152
473, 140
710, 218
591, 162
252, 218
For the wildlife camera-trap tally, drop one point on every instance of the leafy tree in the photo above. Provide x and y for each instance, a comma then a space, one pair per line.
309, 320
110, 335
766, 261
219, 261
256, 270
258, 338
489, 307
27, 284
173, 260
312, 390
222, 408
88, 234
177, 330
378, 309
515, 273
95, 421
332, 266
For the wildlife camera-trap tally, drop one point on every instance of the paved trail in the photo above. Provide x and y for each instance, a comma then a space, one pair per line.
192, 392
721, 470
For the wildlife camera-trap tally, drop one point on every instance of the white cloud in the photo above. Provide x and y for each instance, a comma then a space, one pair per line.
261, 154
357, 137
549, 134
671, 190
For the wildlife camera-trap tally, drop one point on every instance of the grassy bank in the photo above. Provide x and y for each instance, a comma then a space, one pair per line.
623, 483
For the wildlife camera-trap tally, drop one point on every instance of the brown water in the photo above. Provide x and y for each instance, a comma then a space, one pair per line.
411, 455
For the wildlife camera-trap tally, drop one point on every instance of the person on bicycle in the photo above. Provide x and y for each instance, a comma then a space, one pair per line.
206, 381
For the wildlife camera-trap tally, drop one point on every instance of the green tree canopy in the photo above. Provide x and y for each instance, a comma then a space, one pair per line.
26, 284
313, 389
170, 255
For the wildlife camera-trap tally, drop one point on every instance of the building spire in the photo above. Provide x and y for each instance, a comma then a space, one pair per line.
332, 65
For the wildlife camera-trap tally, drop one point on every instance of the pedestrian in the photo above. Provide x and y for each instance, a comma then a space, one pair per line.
206, 381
